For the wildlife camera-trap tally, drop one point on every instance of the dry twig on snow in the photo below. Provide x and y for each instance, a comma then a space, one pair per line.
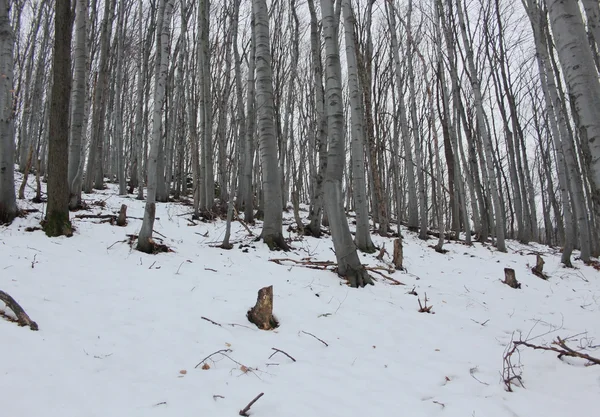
244, 411
281, 351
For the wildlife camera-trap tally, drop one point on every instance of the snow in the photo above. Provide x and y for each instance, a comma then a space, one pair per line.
121, 332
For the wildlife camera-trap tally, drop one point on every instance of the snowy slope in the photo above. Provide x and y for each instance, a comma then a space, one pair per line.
121, 332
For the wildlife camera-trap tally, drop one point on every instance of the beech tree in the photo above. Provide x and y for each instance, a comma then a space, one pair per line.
165, 11
349, 264
8, 202
271, 183
57, 216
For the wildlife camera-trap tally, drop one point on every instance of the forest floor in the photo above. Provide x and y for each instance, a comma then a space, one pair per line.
122, 333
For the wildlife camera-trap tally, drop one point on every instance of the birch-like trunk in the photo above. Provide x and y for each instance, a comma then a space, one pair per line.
592, 13
94, 172
362, 237
581, 75
413, 205
165, 11
207, 194
8, 202
317, 204
556, 120
349, 265
265, 112
484, 134
80, 72
249, 150
118, 128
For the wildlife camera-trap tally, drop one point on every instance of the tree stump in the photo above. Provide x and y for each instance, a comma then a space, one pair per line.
539, 267
22, 317
262, 313
398, 256
510, 278
122, 218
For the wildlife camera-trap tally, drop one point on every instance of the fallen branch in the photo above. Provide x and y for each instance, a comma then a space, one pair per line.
281, 351
562, 350
310, 334
222, 351
211, 321
244, 411
22, 317
243, 223
376, 268
307, 263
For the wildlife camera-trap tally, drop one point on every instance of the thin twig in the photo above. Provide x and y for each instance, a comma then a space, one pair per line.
281, 351
244, 411
213, 322
310, 334
222, 351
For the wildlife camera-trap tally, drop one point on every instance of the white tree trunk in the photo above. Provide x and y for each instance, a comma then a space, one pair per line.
8, 202
165, 11
580, 72
484, 134
78, 103
272, 226
349, 265
362, 237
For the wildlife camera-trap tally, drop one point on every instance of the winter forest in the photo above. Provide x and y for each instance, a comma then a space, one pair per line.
310, 133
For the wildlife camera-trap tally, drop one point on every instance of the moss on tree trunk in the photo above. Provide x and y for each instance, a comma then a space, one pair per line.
57, 224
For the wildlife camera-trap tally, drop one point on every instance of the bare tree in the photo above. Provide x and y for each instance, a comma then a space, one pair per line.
581, 75
363, 233
349, 265
57, 216
272, 226
8, 202
76, 133
165, 11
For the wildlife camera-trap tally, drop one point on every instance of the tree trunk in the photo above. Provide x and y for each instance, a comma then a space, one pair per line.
8, 202
78, 103
581, 75
317, 205
362, 237
349, 265
118, 129
165, 10
57, 215
484, 134
272, 226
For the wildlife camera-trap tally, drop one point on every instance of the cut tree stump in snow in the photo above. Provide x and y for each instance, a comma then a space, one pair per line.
510, 278
538, 269
22, 317
122, 218
398, 256
262, 313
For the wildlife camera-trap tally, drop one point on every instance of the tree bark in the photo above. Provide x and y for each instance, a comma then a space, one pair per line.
57, 215
8, 202
362, 238
272, 226
165, 10
349, 265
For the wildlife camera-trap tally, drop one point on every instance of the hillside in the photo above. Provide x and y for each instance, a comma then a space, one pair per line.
121, 332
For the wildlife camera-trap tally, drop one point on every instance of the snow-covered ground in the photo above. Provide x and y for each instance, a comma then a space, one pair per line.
121, 332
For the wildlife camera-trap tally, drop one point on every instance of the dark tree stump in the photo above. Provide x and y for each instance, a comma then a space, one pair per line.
262, 313
538, 269
398, 255
510, 278
122, 218
22, 317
